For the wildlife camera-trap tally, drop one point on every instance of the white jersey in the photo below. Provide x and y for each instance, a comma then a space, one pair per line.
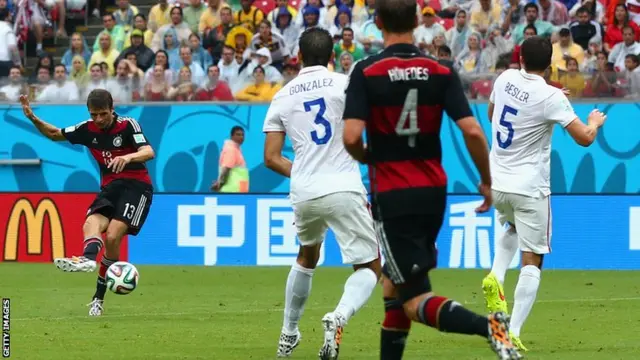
526, 109
309, 110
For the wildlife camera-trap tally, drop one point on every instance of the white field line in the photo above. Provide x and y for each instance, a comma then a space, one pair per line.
246, 311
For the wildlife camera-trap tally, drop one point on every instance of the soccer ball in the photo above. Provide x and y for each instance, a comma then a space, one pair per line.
122, 277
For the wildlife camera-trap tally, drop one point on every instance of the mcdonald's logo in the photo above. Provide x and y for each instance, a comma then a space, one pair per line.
34, 219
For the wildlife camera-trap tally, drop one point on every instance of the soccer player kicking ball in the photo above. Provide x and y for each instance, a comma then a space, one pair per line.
524, 110
326, 190
121, 149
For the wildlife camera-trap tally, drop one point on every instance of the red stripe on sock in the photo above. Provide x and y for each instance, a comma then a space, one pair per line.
102, 271
396, 319
432, 310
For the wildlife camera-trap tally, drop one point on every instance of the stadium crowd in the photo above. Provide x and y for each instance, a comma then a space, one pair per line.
246, 50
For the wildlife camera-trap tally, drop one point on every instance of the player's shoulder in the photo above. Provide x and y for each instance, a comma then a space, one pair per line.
79, 126
129, 122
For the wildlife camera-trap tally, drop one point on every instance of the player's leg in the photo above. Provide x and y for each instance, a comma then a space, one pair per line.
533, 221
396, 324
409, 246
311, 232
350, 219
505, 250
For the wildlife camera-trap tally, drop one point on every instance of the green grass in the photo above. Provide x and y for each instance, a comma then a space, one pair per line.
236, 313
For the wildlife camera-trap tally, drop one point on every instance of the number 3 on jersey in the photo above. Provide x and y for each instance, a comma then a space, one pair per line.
409, 113
508, 125
320, 120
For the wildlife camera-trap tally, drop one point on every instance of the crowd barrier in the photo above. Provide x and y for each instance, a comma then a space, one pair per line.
589, 231
188, 138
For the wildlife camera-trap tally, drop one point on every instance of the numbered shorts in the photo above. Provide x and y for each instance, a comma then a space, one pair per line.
409, 246
531, 217
126, 200
348, 215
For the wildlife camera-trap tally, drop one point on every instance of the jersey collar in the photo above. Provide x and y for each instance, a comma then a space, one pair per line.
396, 49
310, 69
528, 76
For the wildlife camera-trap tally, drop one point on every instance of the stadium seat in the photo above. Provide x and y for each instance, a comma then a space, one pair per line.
435, 4
446, 23
265, 5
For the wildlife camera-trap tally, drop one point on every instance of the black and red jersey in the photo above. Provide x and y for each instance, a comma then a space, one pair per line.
123, 137
401, 94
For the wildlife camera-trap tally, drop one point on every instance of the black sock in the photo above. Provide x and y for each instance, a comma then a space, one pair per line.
101, 287
395, 329
92, 246
449, 316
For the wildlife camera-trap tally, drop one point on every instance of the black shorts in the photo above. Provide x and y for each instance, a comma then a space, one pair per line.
409, 245
126, 200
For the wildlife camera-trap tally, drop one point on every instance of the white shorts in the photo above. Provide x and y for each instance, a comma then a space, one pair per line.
348, 215
531, 217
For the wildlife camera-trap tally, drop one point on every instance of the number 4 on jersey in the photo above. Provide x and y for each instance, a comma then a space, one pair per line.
409, 114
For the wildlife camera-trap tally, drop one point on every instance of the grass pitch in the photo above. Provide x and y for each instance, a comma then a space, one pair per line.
236, 313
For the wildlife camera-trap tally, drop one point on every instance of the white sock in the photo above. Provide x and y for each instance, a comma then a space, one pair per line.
524, 297
506, 248
357, 290
38, 46
296, 294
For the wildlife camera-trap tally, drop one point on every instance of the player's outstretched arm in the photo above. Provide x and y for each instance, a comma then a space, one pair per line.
45, 128
585, 135
273, 158
352, 138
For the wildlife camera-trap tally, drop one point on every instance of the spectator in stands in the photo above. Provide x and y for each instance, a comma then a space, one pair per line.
312, 14
211, 18
566, 49
370, 37
133, 61
260, 90
543, 28
553, 11
634, 10
444, 53
512, 14
193, 13
369, 11
584, 29
172, 47
31, 16
451, 8
273, 42
181, 29
115, 31
106, 74
214, 89
185, 88
485, 15
438, 41
43, 78
200, 56
77, 46
347, 44
282, 7
9, 55
159, 15
239, 38
572, 79
603, 82
590, 62
481, 89
198, 76
156, 86
126, 84
341, 21
529, 31
139, 23
144, 55
469, 61
45, 61
355, 11
495, 46
78, 72
621, 50
106, 53
228, 69
272, 74
594, 9
457, 36
249, 16
285, 27
60, 90
16, 86
423, 34
125, 15
214, 38
613, 35
344, 63
96, 81
632, 75
162, 60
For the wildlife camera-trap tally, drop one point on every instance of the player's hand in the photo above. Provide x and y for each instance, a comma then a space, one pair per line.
118, 163
215, 186
566, 91
597, 118
26, 108
485, 191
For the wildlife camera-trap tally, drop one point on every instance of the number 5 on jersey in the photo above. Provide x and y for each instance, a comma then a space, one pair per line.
320, 120
508, 125
409, 114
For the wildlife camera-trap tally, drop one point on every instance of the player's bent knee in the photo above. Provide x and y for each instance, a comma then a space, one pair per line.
94, 225
374, 265
530, 258
308, 256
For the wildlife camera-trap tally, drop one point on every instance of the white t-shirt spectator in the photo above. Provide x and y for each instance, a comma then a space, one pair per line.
7, 41
620, 51
11, 91
59, 93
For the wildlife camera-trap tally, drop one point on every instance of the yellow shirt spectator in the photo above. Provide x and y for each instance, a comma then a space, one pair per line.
565, 48
210, 18
106, 54
148, 35
160, 14
485, 15
260, 91
249, 19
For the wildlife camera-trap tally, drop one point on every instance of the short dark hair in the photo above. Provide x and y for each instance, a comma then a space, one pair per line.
95, 65
346, 28
15, 67
531, 6
316, 46
502, 64
113, 17
530, 27
4, 14
581, 10
444, 49
259, 67
397, 16
236, 128
536, 53
60, 65
100, 99
140, 15
213, 66
633, 31
633, 58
